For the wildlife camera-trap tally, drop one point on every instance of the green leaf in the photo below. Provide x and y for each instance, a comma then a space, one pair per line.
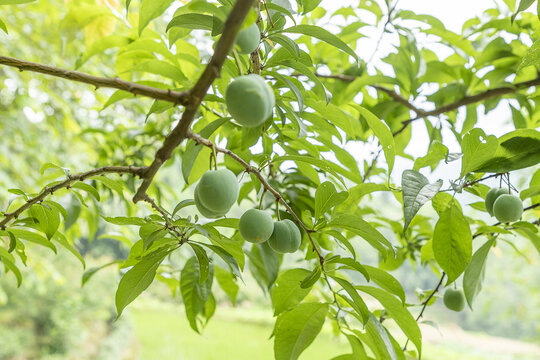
192, 149
472, 279
62, 240
477, 148
357, 303
354, 265
311, 279
383, 133
452, 242
287, 291
88, 188
518, 149
182, 204
296, 329
48, 218
523, 5
92, 271
326, 197
399, 312
192, 21
123, 220
227, 257
3, 26
386, 281
8, 261
227, 282
264, 264
362, 228
323, 35
309, 5
382, 344
416, 192
138, 279
203, 261
32, 237
151, 9
115, 185
194, 295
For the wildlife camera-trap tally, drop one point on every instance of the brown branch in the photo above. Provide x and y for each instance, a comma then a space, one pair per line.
420, 114
137, 171
400, 99
472, 99
251, 169
394, 95
113, 83
254, 56
197, 93
163, 213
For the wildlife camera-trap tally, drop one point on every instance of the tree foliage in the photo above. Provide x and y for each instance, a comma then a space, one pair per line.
104, 153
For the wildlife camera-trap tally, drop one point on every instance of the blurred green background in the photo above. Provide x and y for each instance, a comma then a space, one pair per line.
52, 317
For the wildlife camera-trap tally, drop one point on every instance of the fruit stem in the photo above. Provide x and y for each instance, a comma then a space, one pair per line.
261, 200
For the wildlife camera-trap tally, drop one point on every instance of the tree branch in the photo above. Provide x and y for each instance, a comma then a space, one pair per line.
251, 169
137, 171
420, 114
467, 100
116, 83
197, 93
425, 303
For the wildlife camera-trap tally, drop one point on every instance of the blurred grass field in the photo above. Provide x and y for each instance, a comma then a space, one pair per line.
243, 334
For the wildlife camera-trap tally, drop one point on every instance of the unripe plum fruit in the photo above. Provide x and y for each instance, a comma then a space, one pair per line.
492, 195
207, 213
454, 299
286, 237
250, 100
256, 226
248, 39
508, 208
217, 190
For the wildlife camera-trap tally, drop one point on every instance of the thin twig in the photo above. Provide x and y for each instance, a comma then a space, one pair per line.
251, 169
163, 213
137, 171
425, 304
196, 94
113, 83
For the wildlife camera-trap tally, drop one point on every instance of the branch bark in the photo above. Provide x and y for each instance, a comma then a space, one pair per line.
251, 169
472, 99
137, 171
197, 93
116, 83
420, 114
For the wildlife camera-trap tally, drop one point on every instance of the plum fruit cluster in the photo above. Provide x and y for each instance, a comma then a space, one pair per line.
250, 100
257, 226
504, 206
216, 193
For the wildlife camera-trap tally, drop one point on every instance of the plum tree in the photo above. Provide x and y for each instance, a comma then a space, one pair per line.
248, 39
454, 299
250, 100
256, 226
325, 103
492, 195
217, 191
285, 238
508, 208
